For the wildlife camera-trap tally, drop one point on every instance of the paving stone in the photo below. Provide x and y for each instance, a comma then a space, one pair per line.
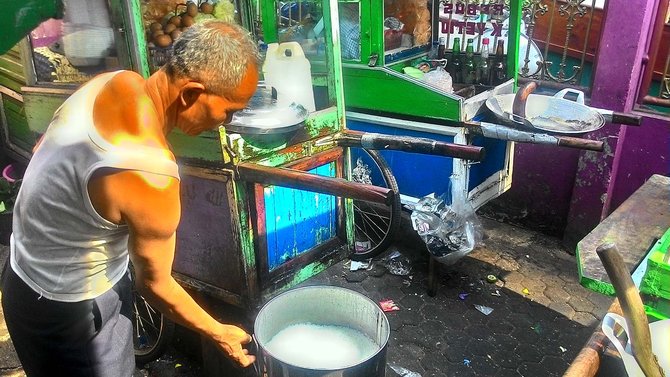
433, 373
553, 366
528, 352
538, 298
507, 264
499, 327
507, 372
414, 301
585, 319
556, 293
434, 361
528, 369
562, 308
503, 351
580, 303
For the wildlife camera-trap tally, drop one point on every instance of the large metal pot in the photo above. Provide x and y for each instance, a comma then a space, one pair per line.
321, 305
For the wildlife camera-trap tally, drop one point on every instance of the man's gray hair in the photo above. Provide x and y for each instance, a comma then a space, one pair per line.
214, 53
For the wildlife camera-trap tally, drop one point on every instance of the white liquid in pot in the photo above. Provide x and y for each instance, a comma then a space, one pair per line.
321, 347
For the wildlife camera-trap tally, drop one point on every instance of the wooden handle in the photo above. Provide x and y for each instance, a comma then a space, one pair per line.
587, 362
410, 144
627, 119
633, 310
579, 143
311, 182
519, 104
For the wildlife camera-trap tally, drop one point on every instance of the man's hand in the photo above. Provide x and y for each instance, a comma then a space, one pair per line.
230, 339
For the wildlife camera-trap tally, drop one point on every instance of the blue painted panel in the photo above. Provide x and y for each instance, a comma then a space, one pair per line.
418, 175
493, 162
297, 220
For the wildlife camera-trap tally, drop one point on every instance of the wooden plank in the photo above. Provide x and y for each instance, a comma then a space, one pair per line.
633, 227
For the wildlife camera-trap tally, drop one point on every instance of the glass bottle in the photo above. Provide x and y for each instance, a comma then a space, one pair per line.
469, 67
483, 68
499, 69
454, 64
441, 47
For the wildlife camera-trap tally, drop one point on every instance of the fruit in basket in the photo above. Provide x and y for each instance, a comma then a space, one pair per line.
187, 20
206, 8
156, 34
176, 20
163, 40
169, 28
155, 26
192, 9
175, 34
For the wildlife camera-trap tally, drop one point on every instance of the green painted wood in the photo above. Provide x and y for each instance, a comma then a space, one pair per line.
12, 75
513, 39
40, 108
135, 12
19, 133
376, 90
205, 147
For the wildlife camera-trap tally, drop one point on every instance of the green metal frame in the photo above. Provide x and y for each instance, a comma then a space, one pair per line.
383, 88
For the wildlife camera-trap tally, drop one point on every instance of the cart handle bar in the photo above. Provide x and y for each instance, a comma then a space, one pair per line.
349, 138
301, 180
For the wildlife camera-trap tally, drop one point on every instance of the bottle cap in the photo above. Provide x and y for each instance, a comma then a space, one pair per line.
485, 41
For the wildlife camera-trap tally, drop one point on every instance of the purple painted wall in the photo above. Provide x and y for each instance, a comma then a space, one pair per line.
646, 151
623, 45
542, 182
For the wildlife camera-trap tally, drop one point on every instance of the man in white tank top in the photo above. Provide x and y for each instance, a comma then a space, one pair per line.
102, 188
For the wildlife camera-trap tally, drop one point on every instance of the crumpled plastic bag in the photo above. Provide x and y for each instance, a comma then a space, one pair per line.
440, 79
447, 224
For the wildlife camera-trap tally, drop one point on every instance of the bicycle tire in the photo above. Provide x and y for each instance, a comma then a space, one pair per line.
368, 219
152, 331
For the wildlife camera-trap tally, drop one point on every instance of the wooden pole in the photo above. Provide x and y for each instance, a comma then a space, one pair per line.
633, 310
311, 182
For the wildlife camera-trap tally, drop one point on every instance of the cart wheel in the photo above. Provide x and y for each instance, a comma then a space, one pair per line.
152, 332
375, 224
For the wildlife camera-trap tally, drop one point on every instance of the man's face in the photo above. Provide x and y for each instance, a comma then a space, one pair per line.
210, 110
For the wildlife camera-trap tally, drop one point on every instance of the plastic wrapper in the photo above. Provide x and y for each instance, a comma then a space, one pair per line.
397, 264
448, 225
439, 78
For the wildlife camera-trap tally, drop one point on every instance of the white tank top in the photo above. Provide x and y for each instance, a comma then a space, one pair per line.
61, 247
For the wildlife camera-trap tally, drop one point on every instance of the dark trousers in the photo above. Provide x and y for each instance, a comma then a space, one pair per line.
90, 338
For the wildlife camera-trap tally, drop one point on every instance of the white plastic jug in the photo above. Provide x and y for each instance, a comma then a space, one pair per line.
288, 71
660, 343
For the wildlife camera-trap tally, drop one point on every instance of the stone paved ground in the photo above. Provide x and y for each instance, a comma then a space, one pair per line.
541, 315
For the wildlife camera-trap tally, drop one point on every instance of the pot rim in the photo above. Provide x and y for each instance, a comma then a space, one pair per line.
329, 287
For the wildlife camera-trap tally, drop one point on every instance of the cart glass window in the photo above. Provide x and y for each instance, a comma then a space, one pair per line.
350, 30
303, 23
407, 26
76, 48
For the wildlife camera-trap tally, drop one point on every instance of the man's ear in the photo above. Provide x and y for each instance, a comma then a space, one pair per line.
190, 92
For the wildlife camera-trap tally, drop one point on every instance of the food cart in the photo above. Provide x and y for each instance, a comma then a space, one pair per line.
250, 225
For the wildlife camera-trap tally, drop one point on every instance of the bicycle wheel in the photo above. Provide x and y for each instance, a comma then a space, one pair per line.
152, 332
375, 225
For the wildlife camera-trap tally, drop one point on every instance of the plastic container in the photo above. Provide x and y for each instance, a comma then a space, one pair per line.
288, 71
